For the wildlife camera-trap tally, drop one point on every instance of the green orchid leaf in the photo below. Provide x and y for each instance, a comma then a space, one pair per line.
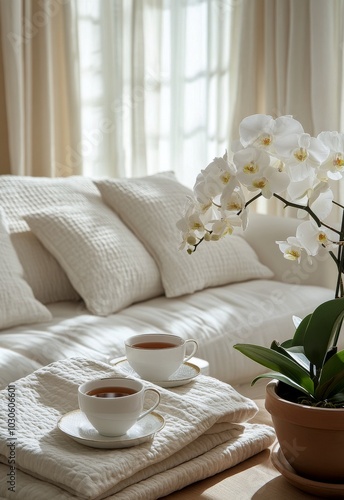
336, 387
321, 328
296, 353
278, 362
338, 399
300, 331
331, 380
276, 346
282, 378
287, 343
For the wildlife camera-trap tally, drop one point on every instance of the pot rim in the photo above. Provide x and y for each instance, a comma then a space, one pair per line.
307, 416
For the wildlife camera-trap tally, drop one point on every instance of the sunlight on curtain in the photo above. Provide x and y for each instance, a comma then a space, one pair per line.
287, 58
40, 85
154, 85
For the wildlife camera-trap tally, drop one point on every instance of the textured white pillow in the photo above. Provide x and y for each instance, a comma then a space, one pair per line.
151, 207
43, 273
105, 262
18, 305
23, 195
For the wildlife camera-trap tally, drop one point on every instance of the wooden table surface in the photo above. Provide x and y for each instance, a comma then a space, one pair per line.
256, 478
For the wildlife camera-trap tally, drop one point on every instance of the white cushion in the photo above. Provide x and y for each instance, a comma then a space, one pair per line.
18, 305
43, 273
151, 207
22, 195
105, 262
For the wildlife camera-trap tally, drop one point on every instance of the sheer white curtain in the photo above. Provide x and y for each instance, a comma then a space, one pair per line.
40, 119
165, 83
287, 58
155, 82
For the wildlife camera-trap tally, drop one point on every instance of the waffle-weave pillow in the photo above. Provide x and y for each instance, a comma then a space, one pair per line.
22, 196
105, 262
151, 207
18, 305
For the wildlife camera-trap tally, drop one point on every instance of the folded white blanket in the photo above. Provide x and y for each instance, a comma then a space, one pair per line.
205, 432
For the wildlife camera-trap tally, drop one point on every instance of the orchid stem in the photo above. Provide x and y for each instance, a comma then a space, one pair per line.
340, 263
307, 209
251, 201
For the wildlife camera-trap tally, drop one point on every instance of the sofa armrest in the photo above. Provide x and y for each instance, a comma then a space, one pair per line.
262, 233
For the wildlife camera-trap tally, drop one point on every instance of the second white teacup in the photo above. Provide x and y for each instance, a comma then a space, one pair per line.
156, 356
113, 405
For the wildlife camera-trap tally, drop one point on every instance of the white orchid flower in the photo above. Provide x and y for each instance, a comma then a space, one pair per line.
263, 131
299, 191
333, 167
313, 237
250, 163
213, 179
318, 197
320, 200
232, 199
225, 226
199, 190
272, 181
191, 225
291, 249
303, 154
255, 172
236, 146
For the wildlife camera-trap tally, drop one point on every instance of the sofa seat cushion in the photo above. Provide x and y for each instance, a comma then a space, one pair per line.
151, 207
257, 311
17, 303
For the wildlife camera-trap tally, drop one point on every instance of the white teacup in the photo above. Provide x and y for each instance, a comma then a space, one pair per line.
113, 405
156, 356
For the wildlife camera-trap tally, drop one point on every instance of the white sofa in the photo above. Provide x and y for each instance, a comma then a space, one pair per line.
95, 262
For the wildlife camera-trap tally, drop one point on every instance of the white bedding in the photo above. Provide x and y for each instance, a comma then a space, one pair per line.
255, 312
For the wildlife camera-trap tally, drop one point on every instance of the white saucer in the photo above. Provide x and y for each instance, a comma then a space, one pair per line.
185, 374
317, 488
75, 425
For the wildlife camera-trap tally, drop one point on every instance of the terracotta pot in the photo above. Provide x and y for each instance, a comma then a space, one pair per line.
311, 438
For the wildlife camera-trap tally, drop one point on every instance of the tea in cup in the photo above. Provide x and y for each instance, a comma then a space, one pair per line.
156, 356
113, 405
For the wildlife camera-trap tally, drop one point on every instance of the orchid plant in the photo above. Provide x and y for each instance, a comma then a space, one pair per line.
276, 158
272, 156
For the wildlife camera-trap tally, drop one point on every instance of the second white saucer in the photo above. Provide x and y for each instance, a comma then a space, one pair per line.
185, 374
